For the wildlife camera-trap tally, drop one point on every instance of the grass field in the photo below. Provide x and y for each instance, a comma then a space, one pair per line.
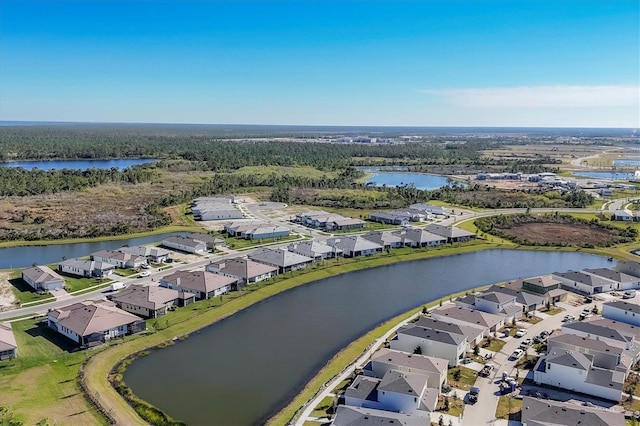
465, 381
263, 172
508, 406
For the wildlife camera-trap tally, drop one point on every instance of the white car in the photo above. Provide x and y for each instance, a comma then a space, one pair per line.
144, 274
568, 318
517, 354
521, 332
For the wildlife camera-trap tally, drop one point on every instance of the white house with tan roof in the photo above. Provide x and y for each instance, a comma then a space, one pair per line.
281, 258
8, 345
419, 237
153, 254
317, 250
354, 246
86, 268
42, 278
185, 244
93, 322
119, 258
386, 239
245, 271
472, 317
203, 284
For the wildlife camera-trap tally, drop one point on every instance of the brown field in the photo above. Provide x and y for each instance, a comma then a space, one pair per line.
558, 233
70, 214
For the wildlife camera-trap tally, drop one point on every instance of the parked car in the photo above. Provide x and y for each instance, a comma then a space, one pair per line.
145, 266
629, 294
568, 318
517, 354
144, 274
473, 395
521, 332
525, 343
588, 299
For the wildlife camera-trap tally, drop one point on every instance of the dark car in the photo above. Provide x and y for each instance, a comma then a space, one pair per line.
473, 395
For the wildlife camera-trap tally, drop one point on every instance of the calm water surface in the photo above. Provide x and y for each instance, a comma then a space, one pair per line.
245, 368
119, 164
22, 257
420, 180
605, 175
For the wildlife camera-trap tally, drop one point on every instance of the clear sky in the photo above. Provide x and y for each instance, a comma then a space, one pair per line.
556, 63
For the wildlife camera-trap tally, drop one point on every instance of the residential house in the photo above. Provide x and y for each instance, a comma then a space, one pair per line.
529, 302
86, 268
434, 343
42, 278
284, 260
386, 239
255, 230
146, 301
498, 303
345, 223
473, 333
152, 254
214, 208
395, 391
623, 215
244, 271
451, 233
431, 209
621, 280
389, 218
622, 311
210, 240
582, 282
385, 360
628, 267
238, 229
93, 322
546, 412
119, 259
185, 244
419, 237
328, 221
347, 415
544, 286
8, 345
353, 246
604, 355
472, 317
576, 372
317, 250
203, 284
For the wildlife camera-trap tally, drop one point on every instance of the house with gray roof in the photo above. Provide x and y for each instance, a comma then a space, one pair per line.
86, 268
628, 267
527, 301
93, 322
610, 331
210, 240
604, 355
201, 283
544, 286
470, 317
245, 271
575, 372
581, 282
42, 278
317, 250
473, 334
622, 281
434, 343
147, 301
284, 260
451, 233
328, 221
347, 415
420, 237
493, 302
185, 244
354, 246
622, 311
152, 254
385, 360
545, 412
431, 209
8, 345
389, 218
119, 259
386, 239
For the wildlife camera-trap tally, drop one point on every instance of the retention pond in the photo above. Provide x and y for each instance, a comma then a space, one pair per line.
242, 370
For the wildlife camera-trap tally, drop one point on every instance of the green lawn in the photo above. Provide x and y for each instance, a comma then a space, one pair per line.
24, 292
456, 405
508, 406
466, 379
494, 345
324, 408
74, 284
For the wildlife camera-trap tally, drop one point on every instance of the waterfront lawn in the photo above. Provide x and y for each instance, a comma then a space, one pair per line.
508, 407
324, 408
342, 387
24, 292
465, 379
42, 381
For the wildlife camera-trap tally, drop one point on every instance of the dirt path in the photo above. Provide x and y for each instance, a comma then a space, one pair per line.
7, 298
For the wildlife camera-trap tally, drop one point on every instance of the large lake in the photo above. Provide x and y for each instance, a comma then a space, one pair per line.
243, 369
22, 257
119, 164
604, 175
420, 180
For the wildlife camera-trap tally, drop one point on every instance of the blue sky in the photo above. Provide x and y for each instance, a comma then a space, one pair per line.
351, 62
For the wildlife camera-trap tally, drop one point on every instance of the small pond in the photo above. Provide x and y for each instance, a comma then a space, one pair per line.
419, 180
120, 164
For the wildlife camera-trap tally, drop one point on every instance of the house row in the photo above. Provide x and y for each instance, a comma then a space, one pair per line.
596, 280
90, 323
215, 208
42, 278
591, 357
401, 382
8, 345
255, 230
328, 221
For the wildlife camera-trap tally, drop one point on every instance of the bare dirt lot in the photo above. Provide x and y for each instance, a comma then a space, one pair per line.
559, 233
7, 298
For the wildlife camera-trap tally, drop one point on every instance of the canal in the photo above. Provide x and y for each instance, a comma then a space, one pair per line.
242, 370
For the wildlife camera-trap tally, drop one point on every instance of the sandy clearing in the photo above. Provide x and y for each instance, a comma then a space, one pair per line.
7, 297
